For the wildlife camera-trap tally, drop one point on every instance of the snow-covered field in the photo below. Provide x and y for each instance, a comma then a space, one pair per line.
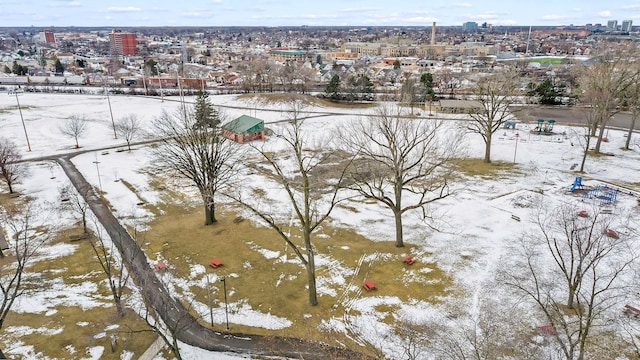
477, 223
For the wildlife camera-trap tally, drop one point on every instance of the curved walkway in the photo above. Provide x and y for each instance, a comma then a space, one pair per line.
177, 318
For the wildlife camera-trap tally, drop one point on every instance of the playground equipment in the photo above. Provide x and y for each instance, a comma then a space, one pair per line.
543, 128
577, 183
607, 195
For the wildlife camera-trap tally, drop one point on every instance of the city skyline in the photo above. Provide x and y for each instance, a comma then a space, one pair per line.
114, 13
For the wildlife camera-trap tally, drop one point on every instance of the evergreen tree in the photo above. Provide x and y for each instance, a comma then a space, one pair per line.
59, 67
547, 92
396, 65
426, 80
333, 88
7, 70
206, 116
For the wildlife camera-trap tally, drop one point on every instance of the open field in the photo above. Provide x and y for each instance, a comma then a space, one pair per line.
460, 249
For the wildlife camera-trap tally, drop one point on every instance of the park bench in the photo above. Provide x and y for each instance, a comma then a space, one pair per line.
631, 310
409, 260
546, 329
369, 285
215, 263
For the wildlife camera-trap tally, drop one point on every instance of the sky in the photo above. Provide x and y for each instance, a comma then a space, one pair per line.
52, 13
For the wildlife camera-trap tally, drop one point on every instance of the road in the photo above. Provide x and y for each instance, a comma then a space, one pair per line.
572, 116
173, 313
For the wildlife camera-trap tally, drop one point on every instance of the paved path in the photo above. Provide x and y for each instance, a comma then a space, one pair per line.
153, 350
173, 313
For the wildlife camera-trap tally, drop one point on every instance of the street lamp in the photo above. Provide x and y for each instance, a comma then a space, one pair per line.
98, 170
226, 306
22, 118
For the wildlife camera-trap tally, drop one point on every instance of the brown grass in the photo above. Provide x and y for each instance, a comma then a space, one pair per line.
493, 170
278, 286
280, 98
80, 328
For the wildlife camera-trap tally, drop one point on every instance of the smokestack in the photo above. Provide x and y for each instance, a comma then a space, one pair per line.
433, 33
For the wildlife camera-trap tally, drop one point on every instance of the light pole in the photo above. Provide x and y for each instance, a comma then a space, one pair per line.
115, 134
98, 171
22, 118
160, 82
226, 307
516, 149
209, 298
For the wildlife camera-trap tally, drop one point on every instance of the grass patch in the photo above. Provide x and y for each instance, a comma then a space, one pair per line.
66, 331
14, 108
265, 274
281, 98
487, 171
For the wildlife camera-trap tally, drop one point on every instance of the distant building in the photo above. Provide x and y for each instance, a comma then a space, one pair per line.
49, 37
612, 25
45, 37
286, 54
122, 43
470, 25
627, 25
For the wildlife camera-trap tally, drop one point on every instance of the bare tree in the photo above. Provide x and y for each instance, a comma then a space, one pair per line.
10, 167
198, 154
633, 98
73, 201
27, 234
75, 126
112, 265
409, 93
401, 163
494, 94
129, 128
577, 277
312, 197
604, 85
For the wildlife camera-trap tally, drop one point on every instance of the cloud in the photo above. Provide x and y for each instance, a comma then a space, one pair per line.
605, 13
123, 9
554, 17
64, 3
576, 9
216, 1
631, 7
464, 4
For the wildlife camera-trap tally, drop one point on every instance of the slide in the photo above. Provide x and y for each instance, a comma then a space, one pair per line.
576, 183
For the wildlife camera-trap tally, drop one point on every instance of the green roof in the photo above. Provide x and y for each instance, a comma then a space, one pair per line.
244, 124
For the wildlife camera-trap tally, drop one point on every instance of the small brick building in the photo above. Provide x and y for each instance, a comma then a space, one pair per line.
244, 129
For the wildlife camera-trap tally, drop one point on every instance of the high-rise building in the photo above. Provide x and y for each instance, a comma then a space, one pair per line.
470, 25
122, 43
627, 25
49, 37
612, 25
45, 37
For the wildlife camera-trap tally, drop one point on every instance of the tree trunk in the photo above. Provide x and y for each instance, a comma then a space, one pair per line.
634, 116
311, 272
586, 151
399, 235
209, 213
10, 187
487, 149
572, 294
601, 135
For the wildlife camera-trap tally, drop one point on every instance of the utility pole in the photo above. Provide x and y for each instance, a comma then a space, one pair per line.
22, 118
